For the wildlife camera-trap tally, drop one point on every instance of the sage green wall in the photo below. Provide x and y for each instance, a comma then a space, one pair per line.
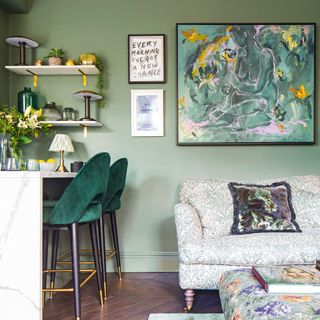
4, 55
156, 165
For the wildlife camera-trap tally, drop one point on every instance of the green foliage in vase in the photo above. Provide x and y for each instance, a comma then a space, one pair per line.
21, 127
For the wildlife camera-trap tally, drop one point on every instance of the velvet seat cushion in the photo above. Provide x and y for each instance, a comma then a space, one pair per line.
93, 212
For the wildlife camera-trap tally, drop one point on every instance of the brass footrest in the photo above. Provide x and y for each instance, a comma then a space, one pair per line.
109, 255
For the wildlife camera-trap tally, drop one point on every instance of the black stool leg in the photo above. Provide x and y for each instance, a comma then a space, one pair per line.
114, 232
75, 269
54, 256
44, 262
103, 255
94, 244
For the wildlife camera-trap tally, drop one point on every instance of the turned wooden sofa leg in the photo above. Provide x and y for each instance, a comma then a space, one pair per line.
189, 297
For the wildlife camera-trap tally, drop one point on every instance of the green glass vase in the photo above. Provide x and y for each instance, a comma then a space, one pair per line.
27, 98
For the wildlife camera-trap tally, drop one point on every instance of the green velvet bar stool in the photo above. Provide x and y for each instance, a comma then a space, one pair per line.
111, 203
81, 203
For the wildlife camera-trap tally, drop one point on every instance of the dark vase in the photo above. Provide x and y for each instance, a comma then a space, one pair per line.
27, 98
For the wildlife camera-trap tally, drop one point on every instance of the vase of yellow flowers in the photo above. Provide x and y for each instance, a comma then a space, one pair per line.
16, 129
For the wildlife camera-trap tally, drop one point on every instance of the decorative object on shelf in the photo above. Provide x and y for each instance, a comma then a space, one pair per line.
19, 128
13, 164
76, 166
87, 58
50, 112
146, 58
92, 59
48, 165
27, 98
23, 43
61, 143
245, 84
68, 114
4, 150
87, 96
33, 165
147, 113
55, 57
70, 62
38, 62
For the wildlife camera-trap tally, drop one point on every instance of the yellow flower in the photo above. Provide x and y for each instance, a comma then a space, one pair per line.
300, 93
193, 36
9, 118
182, 102
288, 36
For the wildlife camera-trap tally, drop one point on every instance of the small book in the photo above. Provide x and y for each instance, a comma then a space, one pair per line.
288, 279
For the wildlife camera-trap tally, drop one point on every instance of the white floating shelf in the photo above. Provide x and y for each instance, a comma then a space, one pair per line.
54, 70
78, 123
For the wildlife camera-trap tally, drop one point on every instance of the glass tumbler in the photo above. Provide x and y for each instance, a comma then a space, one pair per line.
13, 164
33, 165
69, 114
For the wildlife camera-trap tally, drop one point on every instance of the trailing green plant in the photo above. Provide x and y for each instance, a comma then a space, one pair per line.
55, 53
92, 58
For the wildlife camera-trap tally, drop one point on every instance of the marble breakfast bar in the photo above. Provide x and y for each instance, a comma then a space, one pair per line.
21, 242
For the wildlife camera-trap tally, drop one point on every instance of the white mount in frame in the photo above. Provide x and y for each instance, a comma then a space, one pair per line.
146, 58
147, 113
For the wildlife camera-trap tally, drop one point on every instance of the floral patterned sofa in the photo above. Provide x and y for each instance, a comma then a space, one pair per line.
204, 216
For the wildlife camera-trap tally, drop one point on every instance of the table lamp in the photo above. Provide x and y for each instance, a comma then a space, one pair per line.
61, 143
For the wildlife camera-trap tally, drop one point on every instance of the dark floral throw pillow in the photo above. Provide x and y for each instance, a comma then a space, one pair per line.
262, 208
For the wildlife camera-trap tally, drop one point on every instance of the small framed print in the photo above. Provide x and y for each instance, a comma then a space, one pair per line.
146, 113
146, 58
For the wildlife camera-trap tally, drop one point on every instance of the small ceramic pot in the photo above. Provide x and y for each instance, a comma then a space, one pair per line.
55, 61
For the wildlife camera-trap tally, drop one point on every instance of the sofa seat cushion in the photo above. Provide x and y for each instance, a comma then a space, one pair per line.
254, 249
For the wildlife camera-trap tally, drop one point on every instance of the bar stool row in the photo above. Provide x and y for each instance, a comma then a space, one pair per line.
94, 193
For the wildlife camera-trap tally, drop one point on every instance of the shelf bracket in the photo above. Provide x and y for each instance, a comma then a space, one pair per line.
35, 78
84, 78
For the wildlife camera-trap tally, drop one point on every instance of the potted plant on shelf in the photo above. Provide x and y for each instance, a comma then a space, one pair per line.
55, 57
92, 59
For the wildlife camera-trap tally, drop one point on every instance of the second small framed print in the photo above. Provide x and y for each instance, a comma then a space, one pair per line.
146, 61
147, 113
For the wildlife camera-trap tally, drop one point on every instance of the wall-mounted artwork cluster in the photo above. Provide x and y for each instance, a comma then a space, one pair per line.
245, 84
146, 64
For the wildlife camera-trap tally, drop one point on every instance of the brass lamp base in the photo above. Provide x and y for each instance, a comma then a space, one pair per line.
61, 167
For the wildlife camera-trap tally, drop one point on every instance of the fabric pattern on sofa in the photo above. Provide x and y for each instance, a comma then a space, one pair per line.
204, 218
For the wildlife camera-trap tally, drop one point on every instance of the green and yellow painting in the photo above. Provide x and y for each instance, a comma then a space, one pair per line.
245, 83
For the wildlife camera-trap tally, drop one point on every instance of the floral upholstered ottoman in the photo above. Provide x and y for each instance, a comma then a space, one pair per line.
243, 298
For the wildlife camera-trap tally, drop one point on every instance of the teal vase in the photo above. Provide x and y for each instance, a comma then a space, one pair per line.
27, 98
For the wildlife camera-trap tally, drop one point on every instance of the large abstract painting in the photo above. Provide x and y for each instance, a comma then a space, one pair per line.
245, 84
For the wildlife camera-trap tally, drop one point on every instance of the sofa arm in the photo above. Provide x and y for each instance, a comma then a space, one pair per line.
188, 224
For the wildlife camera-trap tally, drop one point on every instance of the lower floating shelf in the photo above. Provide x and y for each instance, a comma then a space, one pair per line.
79, 123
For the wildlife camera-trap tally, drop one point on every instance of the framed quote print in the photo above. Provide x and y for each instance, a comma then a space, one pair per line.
146, 58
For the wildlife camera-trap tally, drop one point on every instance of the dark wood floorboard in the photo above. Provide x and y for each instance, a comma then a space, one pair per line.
134, 298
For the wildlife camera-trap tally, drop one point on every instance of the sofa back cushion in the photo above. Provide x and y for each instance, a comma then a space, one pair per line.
213, 201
